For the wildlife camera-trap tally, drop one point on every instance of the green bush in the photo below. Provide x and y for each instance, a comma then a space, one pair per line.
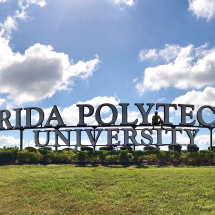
174, 156
162, 156
112, 158
150, 158
26, 156
102, 156
31, 149
8, 155
124, 156
81, 156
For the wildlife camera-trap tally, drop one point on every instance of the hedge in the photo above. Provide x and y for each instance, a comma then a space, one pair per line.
151, 156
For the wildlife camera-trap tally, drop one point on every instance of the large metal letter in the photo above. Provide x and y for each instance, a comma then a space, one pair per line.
114, 114
36, 138
159, 136
192, 136
131, 137
18, 118
166, 111
173, 134
5, 119
56, 117
59, 134
82, 115
125, 115
144, 113
184, 114
28, 117
93, 142
78, 137
200, 118
110, 136
147, 136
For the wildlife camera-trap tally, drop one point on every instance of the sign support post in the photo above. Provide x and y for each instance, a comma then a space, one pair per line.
21, 138
211, 139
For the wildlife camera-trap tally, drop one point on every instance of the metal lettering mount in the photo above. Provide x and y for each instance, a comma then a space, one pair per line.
129, 128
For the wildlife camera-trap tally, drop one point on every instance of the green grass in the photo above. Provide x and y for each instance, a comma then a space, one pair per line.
70, 189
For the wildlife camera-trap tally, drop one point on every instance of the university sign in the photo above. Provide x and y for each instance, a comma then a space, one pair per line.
111, 130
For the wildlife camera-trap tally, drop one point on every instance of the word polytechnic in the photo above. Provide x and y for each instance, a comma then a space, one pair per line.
87, 110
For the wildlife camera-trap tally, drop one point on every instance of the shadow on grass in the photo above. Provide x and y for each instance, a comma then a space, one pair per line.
113, 165
124, 165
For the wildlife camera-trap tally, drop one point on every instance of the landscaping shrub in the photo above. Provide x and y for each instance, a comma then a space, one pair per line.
112, 158
26, 156
163, 156
31, 149
67, 149
102, 156
174, 156
124, 156
150, 158
8, 155
81, 156
151, 155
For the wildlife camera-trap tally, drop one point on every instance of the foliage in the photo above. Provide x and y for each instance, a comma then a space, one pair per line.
27, 156
8, 155
46, 156
31, 149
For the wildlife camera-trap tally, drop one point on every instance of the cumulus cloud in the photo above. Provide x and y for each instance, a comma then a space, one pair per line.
198, 98
183, 68
24, 4
202, 8
8, 141
40, 71
127, 2
147, 54
2, 101
199, 140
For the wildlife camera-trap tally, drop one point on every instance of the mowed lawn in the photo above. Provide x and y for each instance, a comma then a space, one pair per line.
71, 189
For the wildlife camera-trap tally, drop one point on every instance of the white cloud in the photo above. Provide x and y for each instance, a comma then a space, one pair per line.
8, 141
202, 8
147, 54
162, 99
199, 140
39, 73
127, 2
2, 101
1, 1
183, 68
135, 79
198, 98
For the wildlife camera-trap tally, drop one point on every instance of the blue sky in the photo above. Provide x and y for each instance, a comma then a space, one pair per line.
61, 53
